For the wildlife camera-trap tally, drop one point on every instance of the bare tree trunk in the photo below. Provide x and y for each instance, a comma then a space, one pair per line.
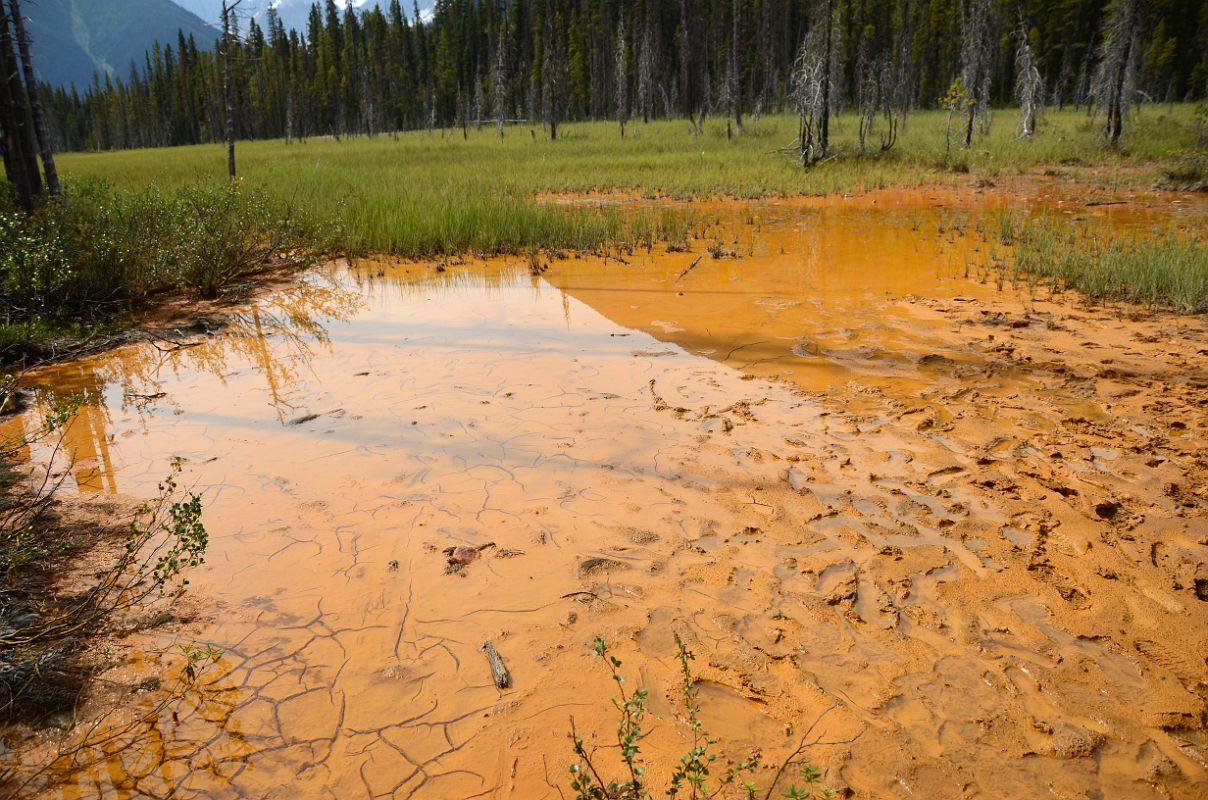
622, 78
684, 58
228, 12
902, 85
1115, 122
17, 139
10, 146
35, 102
1115, 114
501, 82
977, 52
1029, 88
479, 102
824, 128
735, 78
1113, 85
553, 72
289, 115
646, 77
807, 94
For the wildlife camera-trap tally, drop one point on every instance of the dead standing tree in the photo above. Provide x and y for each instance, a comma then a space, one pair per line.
646, 77
1115, 78
500, 79
812, 83
734, 77
684, 43
829, 24
871, 83
901, 94
1029, 87
977, 59
230, 28
809, 99
876, 94
480, 103
622, 77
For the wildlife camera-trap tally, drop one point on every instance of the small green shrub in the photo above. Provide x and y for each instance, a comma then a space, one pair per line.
98, 251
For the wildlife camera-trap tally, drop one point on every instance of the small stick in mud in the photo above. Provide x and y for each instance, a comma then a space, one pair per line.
691, 267
499, 671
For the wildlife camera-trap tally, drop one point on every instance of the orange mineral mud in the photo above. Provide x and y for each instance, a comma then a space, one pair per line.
848, 469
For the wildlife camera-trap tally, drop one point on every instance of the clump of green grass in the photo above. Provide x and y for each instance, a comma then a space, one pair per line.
81, 261
1165, 269
1188, 174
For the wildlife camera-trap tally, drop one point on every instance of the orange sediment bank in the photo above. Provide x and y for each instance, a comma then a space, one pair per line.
845, 466
1031, 192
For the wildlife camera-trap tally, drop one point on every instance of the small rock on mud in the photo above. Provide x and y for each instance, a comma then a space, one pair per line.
463, 554
1074, 742
1159, 767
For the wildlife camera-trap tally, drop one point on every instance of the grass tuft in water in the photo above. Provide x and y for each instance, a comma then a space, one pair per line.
1165, 270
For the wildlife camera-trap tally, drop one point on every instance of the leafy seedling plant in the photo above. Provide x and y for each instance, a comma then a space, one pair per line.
693, 776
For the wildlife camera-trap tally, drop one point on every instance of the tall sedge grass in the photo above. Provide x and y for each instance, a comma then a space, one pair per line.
1166, 270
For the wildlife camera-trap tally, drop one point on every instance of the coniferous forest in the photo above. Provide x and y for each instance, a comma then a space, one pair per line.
492, 62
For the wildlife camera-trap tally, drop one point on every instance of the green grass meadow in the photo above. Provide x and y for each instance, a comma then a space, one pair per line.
423, 194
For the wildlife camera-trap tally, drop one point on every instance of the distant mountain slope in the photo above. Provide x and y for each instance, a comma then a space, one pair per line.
294, 13
74, 38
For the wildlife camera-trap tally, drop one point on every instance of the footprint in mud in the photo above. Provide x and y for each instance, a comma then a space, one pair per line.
875, 606
1069, 589
838, 583
732, 717
714, 424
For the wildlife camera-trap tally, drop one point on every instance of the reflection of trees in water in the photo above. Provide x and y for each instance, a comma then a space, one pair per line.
84, 442
277, 336
169, 735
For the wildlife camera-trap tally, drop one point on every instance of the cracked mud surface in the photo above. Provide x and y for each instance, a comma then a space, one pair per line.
839, 468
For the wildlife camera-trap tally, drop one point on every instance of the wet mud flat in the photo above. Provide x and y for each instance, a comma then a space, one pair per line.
844, 469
